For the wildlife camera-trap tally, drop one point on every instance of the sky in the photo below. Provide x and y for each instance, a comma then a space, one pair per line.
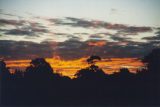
135, 12
78, 28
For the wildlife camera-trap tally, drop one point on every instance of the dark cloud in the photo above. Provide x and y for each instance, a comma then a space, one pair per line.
20, 32
60, 33
77, 49
81, 33
121, 28
63, 34
74, 38
154, 38
24, 50
31, 31
115, 37
104, 33
71, 43
4, 22
21, 23
77, 22
55, 21
73, 49
96, 37
3, 30
114, 26
40, 30
74, 22
134, 30
23, 27
118, 38
69, 36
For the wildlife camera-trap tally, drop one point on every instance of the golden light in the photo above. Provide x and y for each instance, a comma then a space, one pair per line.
70, 67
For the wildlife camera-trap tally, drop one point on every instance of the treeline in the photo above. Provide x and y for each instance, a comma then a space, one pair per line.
40, 86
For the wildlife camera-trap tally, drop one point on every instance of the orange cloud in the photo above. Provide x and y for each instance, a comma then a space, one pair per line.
97, 43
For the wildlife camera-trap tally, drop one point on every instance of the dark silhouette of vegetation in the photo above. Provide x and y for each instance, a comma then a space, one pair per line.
153, 61
39, 69
92, 59
92, 72
39, 85
4, 71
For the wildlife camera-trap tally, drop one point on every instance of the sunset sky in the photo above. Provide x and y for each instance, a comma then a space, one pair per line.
73, 29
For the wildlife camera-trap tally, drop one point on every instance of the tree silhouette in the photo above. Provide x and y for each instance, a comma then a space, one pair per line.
92, 72
153, 61
39, 68
4, 72
41, 86
92, 59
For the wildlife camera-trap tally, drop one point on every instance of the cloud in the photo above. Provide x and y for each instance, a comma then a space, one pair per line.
31, 31
135, 30
73, 49
79, 22
118, 38
76, 38
24, 50
76, 49
6, 14
63, 25
23, 27
63, 34
69, 36
81, 33
74, 22
153, 38
20, 32
4, 22
96, 37
98, 43
55, 20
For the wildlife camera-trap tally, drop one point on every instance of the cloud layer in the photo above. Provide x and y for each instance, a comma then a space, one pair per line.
71, 38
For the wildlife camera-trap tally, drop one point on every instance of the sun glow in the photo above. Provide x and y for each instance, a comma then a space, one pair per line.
70, 67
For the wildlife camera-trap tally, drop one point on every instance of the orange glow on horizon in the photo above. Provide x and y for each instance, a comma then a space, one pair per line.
70, 67
97, 43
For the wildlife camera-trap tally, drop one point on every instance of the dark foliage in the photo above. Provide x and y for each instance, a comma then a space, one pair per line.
92, 59
39, 85
153, 61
